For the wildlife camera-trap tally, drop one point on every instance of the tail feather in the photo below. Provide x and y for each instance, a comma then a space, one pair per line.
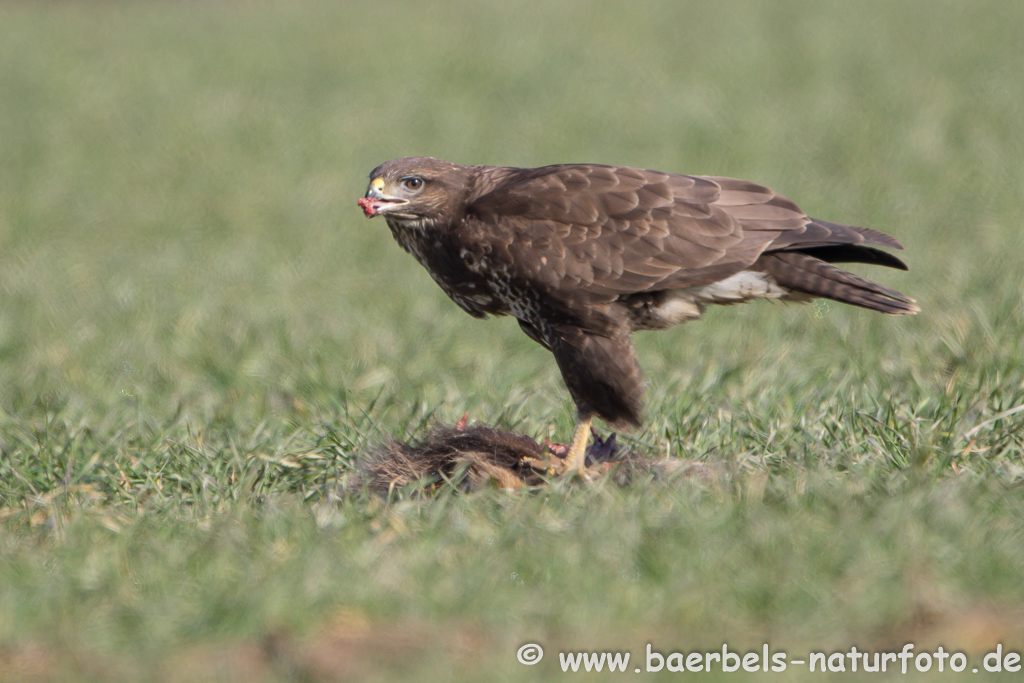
821, 233
867, 235
809, 274
855, 253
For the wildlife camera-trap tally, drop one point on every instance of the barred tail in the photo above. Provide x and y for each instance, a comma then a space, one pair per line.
802, 272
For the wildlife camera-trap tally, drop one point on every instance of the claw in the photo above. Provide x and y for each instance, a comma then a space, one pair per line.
602, 450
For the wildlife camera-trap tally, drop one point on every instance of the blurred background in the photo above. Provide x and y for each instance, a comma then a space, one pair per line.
200, 332
178, 229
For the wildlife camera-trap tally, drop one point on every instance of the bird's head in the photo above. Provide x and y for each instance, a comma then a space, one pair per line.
414, 188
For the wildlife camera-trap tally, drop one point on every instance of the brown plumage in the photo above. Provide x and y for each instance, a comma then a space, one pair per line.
583, 254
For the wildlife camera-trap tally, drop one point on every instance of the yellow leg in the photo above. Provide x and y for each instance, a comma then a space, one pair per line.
575, 460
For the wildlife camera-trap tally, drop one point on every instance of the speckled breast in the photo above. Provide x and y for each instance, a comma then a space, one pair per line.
441, 257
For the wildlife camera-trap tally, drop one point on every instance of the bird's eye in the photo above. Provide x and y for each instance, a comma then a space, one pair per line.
412, 183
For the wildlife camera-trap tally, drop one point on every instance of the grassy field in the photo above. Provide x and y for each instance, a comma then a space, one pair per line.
200, 335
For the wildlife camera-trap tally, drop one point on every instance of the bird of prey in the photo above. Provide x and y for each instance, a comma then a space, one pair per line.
584, 254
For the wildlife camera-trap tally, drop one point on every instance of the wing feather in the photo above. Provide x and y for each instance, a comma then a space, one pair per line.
601, 232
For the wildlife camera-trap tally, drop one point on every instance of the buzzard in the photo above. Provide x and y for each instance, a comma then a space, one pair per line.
584, 254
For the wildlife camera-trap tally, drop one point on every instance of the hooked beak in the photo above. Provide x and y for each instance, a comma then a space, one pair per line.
376, 202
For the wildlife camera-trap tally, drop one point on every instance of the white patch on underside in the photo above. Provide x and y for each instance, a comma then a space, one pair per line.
744, 285
676, 308
687, 304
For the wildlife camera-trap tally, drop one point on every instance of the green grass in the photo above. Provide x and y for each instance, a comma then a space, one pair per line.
200, 334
